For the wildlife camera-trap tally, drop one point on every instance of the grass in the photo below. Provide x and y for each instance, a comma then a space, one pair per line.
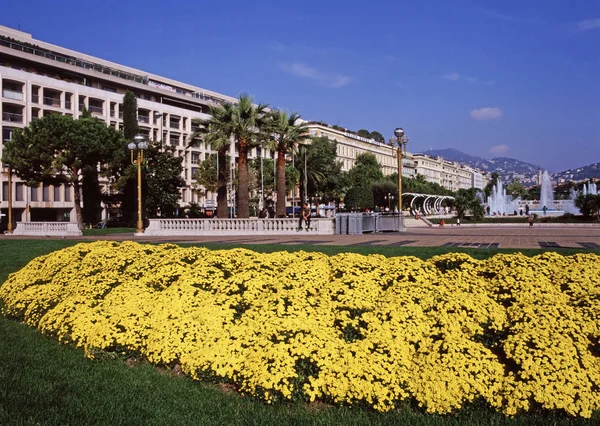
44, 383
107, 231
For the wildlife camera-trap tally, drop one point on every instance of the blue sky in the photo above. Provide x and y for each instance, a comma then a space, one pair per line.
491, 78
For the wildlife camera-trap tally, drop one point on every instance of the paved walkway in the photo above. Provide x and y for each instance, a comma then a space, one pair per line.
519, 236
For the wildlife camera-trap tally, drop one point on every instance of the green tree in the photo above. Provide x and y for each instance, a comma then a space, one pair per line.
162, 180
216, 132
248, 128
516, 189
288, 130
381, 189
206, 174
466, 202
489, 187
130, 121
588, 205
308, 176
127, 182
267, 174
322, 159
364, 133
90, 187
366, 170
292, 176
377, 136
57, 149
534, 193
359, 198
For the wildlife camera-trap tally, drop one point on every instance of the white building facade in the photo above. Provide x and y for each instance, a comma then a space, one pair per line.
39, 79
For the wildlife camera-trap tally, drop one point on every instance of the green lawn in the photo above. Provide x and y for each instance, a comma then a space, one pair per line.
44, 383
107, 231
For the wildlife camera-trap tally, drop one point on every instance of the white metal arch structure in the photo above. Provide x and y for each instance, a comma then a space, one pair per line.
427, 203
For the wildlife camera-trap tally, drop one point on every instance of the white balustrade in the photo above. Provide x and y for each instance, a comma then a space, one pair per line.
55, 229
191, 227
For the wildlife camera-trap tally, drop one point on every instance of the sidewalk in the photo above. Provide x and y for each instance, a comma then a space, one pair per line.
483, 236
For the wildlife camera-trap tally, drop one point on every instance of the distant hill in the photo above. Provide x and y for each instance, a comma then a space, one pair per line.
580, 173
508, 168
452, 154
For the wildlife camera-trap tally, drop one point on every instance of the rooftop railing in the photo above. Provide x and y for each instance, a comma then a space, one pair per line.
39, 51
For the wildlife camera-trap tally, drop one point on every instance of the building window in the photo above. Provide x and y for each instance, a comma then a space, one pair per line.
56, 193
45, 192
67, 193
4, 191
34, 193
195, 157
19, 192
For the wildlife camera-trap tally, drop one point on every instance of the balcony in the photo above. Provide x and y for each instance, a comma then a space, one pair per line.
12, 94
174, 124
12, 117
67, 104
35, 99
53, 102
97, 110
174, 141
144, 119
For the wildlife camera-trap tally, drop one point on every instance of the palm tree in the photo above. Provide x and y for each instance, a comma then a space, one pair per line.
248, 125
288, 131
216, 132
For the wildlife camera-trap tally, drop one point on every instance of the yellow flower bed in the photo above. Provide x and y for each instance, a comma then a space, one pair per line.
518, 332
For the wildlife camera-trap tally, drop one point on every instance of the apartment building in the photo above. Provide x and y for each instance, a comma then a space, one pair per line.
350, 146
39, 79
449, 174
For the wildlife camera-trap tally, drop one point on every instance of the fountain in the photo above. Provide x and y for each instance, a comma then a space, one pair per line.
546, 205
499, 203
546, 192
590, 188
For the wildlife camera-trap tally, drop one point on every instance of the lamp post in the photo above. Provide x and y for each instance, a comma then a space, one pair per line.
9, 225
139, 144
160, 115
401, 139
389, 197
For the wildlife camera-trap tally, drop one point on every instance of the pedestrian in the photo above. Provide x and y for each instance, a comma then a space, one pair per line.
457, 221
304, 217
530, 220
442, 223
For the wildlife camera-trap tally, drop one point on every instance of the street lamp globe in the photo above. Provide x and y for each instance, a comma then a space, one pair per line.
399, 132
140, 140
132, 146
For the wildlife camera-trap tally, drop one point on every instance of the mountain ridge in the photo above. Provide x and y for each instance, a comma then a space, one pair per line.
508, 168
511, 168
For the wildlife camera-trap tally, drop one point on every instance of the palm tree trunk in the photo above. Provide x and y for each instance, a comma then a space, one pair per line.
243, 195
302, 189
280, 183
222, 212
